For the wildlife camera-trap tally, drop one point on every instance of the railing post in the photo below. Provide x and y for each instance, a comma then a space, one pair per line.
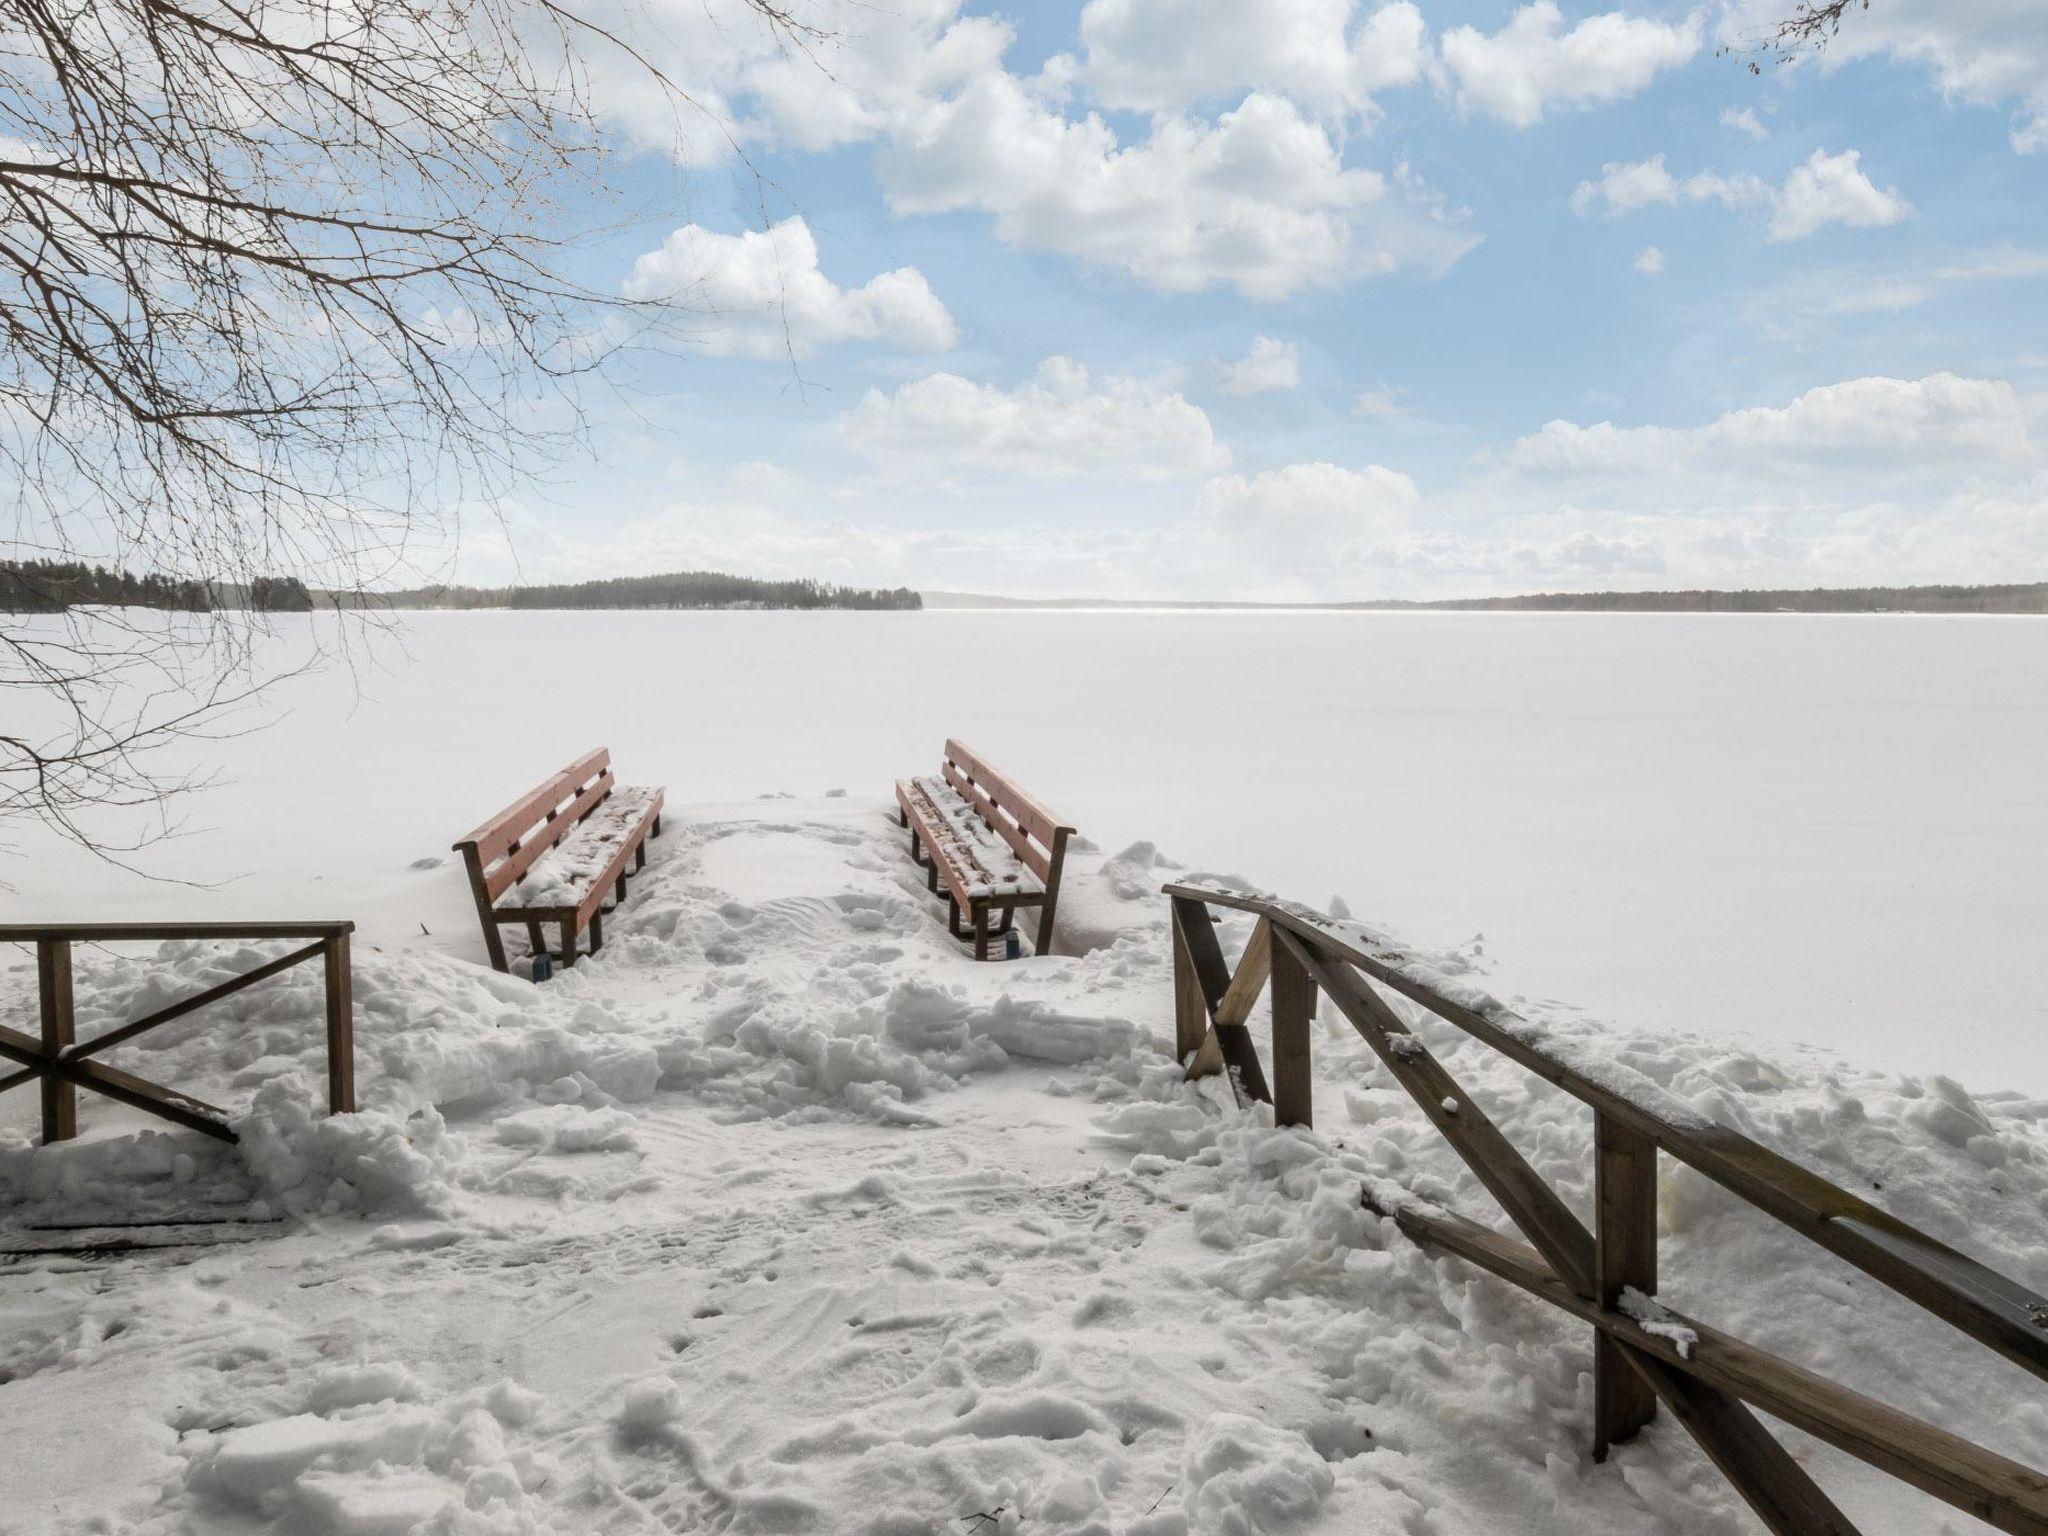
1293, 997
1190, 1012
341, 1031
53, 986
1625, 1255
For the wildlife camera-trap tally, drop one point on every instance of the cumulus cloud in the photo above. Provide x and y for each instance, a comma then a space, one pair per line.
1823, 189
1744, 120
1990, 53
760, 292
1059, 423
1331, 56
1271, 364
1533, 64
1260, 199
1880, 423
1314, 514
1649, 261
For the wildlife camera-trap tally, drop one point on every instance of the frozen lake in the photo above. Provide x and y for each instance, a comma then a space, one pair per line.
1825, 829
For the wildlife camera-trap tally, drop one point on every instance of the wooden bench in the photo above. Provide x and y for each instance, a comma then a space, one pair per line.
995, 847
556, 853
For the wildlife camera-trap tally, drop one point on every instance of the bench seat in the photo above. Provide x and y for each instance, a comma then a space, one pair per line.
989, 866
589, 858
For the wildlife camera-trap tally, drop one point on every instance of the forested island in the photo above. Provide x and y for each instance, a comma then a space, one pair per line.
676, 589
53, 586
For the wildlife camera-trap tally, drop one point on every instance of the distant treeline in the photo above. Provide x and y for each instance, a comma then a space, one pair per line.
2018, 597
52, 586
679, 589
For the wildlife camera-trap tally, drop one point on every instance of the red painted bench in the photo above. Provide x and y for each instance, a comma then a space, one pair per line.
994, 847
557, 852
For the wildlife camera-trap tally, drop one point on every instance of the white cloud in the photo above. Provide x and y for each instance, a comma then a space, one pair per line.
1379, 402
1879, 424
1626, 186
1533, 64
1308, 515
1649, 261
1987, 52
1823, 189
1060, 423
1271, 364
1260, 199
1331, 56
760, 292
1832, 189
1744, 120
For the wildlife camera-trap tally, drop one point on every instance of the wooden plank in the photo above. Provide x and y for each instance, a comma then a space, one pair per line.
1249, 979
198, 1000
1190, 1013
59, 1021
2002, 1493
1625, 1256
501, 877
1294, 1011
1993, 1309
1530, 1203
1030, 814
593, 900
140, 1093
495, 837
1774, 1486
1240, 1053
113, 933
996, 817
339, 977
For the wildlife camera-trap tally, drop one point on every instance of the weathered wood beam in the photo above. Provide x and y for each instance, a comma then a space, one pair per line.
2002, 1493
1530, 1203
1625, 1256
1205, 952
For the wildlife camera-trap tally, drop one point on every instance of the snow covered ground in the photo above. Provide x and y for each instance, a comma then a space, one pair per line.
783, 1215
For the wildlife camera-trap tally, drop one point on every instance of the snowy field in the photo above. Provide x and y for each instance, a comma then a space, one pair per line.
784, 1216
1779, 829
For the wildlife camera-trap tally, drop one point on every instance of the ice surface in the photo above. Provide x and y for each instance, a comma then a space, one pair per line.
1736, 824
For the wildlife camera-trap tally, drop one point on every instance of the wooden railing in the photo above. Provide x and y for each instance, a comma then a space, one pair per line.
64, 1064
1606, 1275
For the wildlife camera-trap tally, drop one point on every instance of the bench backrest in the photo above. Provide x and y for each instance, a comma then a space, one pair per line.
503, 849
1034, 834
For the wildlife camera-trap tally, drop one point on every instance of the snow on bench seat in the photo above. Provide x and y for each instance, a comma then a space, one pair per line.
563, 875
991, 866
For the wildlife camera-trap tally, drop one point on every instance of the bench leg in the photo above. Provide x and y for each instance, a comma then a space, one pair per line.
619, 890
657, 824
596, 931
640, 856
902, 817
1009, 921
568, 942
495, 945
534, 936
981, 933
916, 848
953, 918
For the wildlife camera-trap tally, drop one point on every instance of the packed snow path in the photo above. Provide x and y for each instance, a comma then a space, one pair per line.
782, 1215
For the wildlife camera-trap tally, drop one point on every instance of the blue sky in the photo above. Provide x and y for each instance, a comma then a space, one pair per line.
1313, 299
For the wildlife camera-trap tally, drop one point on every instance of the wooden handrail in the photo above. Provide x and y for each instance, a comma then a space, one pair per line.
1298, 953
62, 1062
